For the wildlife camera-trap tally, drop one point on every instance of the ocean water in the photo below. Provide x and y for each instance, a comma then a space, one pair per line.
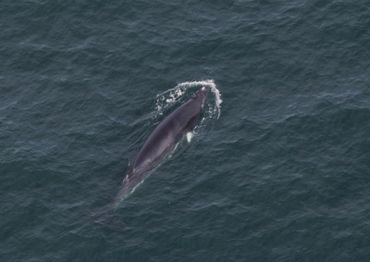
282, 175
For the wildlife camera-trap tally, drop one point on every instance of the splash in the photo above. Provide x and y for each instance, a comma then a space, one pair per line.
176, 94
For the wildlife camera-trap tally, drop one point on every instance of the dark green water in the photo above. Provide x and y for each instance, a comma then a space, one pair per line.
282, 175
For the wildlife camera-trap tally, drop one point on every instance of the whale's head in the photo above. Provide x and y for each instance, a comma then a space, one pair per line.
201, 95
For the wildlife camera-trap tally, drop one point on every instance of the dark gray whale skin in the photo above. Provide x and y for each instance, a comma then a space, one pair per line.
163, 139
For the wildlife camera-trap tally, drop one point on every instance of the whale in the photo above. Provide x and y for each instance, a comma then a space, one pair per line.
163, 140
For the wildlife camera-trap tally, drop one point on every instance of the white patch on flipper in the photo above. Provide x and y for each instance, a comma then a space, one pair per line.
189, 136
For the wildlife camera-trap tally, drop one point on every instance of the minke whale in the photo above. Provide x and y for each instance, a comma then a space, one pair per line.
162, 140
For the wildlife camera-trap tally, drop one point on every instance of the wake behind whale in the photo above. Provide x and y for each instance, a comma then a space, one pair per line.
181, 123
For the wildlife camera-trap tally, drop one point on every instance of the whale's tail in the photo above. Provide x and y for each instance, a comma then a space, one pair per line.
106, 214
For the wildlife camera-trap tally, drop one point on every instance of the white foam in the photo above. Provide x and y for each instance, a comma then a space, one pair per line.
171, 96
